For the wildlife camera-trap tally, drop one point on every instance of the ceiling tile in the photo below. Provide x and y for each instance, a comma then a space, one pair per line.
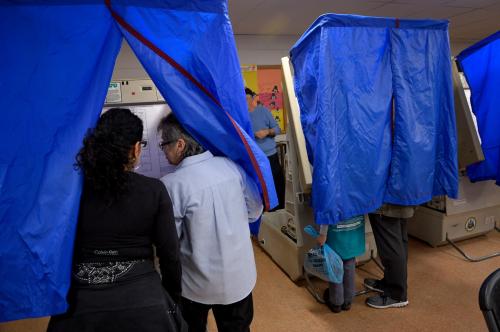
395, 10
439, 12
293, 17
471, 3
272, 17
474, 16
475, 31
421, 2
239, 10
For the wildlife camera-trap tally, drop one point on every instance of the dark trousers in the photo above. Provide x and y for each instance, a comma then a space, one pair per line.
279, 179
391, 237
235, 317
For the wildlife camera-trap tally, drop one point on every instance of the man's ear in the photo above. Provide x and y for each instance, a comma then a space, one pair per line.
181, 145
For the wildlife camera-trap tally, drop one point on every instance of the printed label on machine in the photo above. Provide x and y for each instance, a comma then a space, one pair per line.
114, 94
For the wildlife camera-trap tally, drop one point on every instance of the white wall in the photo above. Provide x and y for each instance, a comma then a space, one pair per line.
252, 49
127, 66
260, 50
263, 50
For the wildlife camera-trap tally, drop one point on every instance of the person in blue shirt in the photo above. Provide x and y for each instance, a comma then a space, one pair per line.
264, 128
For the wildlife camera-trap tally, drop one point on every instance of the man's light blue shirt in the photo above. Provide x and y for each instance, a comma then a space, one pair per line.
261, 118
213, 201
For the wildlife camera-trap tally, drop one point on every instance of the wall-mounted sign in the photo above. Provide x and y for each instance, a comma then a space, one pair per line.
114, 94
265, 81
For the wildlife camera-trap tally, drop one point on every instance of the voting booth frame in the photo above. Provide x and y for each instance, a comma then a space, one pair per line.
438, 222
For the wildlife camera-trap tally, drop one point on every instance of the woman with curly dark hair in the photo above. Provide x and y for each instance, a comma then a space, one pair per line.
115, 286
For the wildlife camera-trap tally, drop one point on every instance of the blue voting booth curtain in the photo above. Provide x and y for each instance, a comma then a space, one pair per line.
193, 61
348, 72
57, 61
481, 67
56, 65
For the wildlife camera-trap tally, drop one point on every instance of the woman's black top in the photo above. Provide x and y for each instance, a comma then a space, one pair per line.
127, 227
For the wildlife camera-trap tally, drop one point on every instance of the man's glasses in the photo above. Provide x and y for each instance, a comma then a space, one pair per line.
144, 143
163, 144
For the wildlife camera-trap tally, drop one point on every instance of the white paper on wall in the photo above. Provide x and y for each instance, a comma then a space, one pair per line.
153, 162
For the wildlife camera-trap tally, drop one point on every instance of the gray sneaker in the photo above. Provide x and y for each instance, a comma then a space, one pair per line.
374, 285
384, 302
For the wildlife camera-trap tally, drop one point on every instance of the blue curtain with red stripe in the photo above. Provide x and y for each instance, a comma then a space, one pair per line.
193, 61
57, 61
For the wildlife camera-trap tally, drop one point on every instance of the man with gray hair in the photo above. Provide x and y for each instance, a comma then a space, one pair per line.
213, 201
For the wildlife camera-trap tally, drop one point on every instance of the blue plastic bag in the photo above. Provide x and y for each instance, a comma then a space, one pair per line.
323, 262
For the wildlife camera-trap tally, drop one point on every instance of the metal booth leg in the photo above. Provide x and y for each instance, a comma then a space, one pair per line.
310, 287
467, 257
372, 258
